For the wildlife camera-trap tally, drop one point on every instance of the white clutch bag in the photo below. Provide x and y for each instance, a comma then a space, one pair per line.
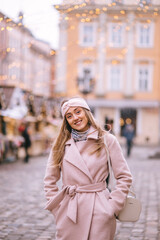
132, 208
131, 211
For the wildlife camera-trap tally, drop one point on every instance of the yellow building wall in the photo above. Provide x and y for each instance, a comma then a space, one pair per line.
75, 52
149, 123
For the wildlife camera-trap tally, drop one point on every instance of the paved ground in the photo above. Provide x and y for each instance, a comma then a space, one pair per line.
22, 200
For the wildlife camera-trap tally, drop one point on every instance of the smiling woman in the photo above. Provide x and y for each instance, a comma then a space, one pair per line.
80, 156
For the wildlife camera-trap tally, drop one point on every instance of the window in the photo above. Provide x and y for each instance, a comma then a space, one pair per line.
115, 77
87, 34
143, 2
116, 34
117, 1
145, 34
114, 80
144, 77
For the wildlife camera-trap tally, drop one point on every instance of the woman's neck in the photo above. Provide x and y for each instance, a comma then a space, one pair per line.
79, 136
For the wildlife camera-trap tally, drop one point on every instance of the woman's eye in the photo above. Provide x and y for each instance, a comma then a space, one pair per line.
69, 116
78, 112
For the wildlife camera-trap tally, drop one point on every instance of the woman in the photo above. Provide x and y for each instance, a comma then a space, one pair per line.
84, 209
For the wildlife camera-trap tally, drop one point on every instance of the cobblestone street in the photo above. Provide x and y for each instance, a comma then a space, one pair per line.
22, 200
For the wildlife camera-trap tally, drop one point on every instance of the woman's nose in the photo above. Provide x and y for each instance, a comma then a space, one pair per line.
75, 116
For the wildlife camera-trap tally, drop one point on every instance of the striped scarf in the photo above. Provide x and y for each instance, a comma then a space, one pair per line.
79, 136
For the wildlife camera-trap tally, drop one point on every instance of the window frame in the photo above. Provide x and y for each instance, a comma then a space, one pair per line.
149, 68
119, 87
82, 26
144, 35
122, 34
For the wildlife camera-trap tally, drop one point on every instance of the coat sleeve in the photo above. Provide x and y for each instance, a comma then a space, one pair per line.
52, 175
121, 173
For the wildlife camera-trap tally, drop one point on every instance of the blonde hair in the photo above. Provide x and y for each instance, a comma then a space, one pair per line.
65, 134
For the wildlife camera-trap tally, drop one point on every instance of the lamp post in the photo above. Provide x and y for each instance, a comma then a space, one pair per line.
85, 83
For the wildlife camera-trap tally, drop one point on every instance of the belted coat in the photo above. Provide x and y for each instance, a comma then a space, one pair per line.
84, 209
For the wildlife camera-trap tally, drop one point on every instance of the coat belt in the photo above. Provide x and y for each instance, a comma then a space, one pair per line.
73, 202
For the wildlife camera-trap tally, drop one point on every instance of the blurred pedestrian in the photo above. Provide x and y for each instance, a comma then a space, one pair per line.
27, 140
109, 125
129, 134
84, 208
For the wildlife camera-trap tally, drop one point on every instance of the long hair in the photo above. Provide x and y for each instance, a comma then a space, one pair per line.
65, 134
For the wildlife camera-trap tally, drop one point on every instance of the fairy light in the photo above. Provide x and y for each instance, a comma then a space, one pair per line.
9, 28
144, 10
155, 14
91, 12
8, 50
122, 12
98, 11
72, 27
121, 122
124, 51
104, 9
52, 52
146, 7
76, 6
88, 19
9, 20
128, 121
83, 4
114, 62
139, 8
116, 17
69, 9
127, 28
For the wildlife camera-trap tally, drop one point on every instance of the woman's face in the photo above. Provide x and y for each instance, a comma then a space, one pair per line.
77, 119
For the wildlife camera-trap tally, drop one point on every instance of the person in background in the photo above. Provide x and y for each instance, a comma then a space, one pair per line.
27, 140
129, 134
83, 208
109, 125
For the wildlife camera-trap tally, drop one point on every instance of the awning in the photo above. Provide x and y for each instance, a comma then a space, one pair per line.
17, 112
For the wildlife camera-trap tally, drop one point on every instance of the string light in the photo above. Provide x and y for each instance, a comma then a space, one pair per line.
52, 52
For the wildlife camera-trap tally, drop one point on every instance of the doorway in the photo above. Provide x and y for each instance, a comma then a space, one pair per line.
127, 116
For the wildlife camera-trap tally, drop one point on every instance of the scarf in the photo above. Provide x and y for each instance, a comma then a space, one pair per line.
79, 136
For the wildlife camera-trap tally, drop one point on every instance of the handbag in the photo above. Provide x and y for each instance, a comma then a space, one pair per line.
132, 208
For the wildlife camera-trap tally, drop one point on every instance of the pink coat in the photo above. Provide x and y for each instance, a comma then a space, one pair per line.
84, 209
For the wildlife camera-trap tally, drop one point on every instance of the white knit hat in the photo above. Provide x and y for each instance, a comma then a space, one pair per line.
74, 102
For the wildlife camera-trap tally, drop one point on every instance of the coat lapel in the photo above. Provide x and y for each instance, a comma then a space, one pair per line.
73, 156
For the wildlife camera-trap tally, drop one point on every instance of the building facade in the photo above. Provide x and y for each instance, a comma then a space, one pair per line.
25, 61
109, 53
26, 88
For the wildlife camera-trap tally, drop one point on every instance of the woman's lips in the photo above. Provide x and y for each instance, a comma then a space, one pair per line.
78, 122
